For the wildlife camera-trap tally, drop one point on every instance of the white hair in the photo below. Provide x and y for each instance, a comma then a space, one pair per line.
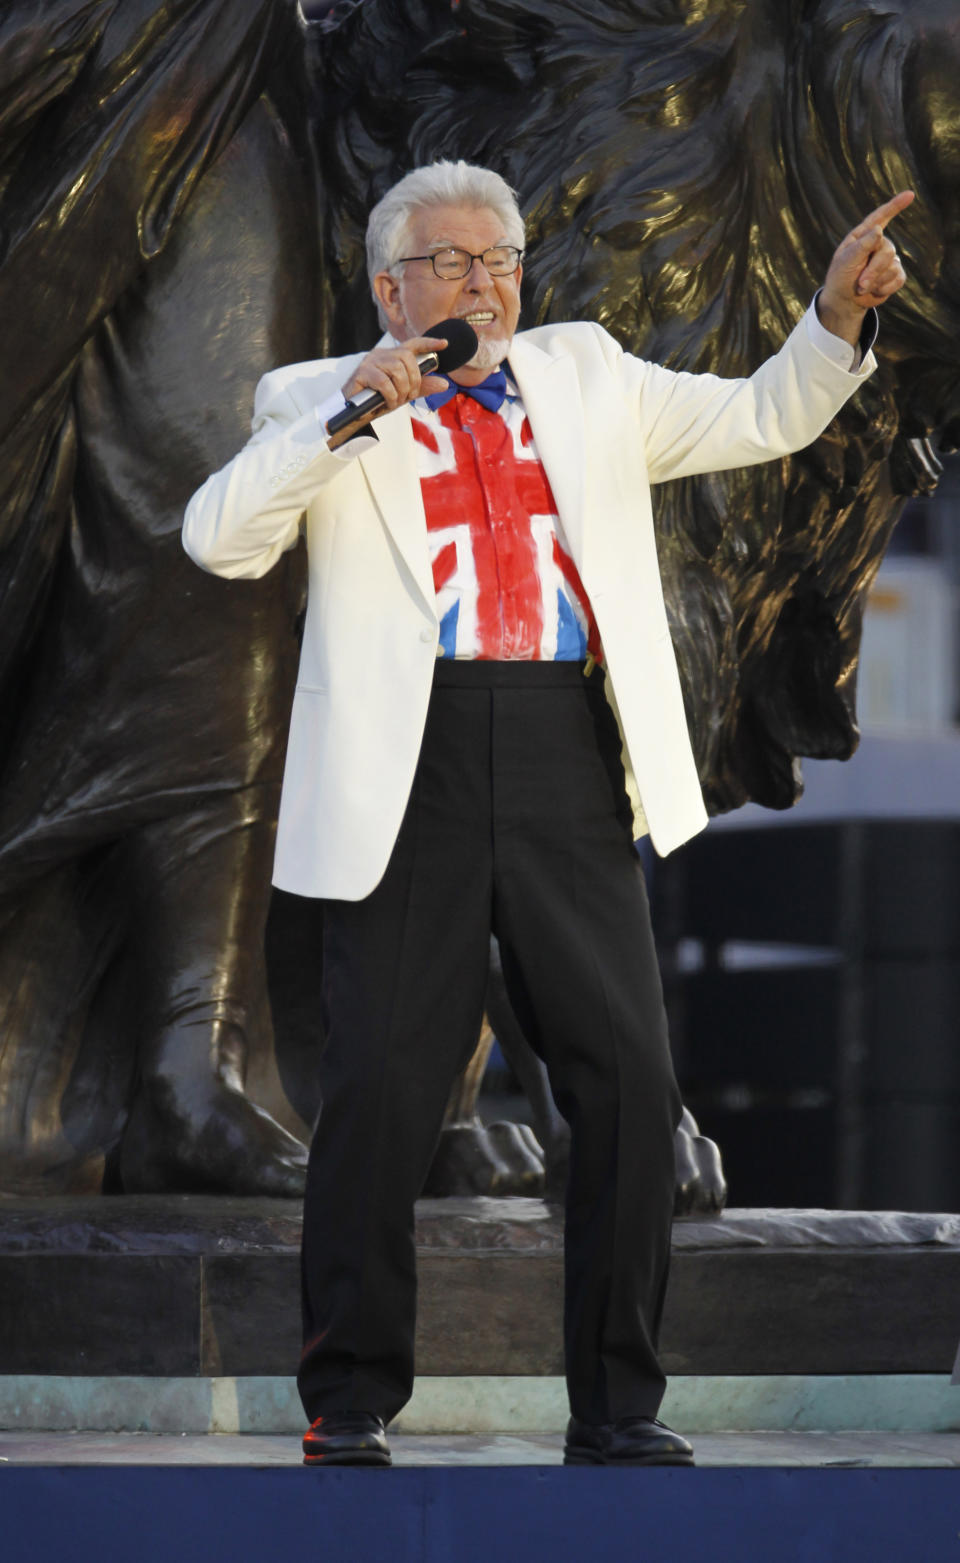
437, 184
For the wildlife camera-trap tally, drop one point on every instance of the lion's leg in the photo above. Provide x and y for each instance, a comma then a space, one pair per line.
477, 1158
54, 947
201, 893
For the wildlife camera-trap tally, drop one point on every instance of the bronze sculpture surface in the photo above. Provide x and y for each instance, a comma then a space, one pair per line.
653, 144
173, 256
159, 254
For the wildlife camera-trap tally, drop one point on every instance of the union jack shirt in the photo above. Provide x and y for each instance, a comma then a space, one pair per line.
507, 587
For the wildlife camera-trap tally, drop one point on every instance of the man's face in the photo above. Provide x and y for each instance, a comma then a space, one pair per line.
417, 299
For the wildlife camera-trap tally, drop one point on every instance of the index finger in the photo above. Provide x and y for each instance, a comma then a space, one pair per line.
424, 344
883, 214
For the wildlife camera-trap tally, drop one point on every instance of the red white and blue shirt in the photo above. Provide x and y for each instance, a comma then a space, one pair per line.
507, 587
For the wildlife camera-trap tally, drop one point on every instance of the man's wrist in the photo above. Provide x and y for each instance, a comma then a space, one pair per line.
845, 322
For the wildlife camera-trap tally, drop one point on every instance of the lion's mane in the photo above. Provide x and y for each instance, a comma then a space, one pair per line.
686, 170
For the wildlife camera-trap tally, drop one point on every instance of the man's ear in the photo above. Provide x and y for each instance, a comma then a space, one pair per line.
387, 290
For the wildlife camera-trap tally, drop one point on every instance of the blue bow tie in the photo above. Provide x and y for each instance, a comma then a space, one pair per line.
490, 393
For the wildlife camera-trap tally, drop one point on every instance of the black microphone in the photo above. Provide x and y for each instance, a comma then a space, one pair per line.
461, 346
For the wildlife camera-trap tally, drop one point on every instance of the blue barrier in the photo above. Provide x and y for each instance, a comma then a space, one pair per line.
530, 1514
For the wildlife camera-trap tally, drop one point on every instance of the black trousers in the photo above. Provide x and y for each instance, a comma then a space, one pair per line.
518, 822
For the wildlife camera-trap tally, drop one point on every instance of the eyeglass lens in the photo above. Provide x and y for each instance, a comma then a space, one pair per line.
500, 261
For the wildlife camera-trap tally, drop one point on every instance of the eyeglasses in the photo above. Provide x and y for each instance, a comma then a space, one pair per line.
501, 260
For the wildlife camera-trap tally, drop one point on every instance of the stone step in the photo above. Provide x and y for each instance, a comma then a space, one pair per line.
201, 1285
907, 1405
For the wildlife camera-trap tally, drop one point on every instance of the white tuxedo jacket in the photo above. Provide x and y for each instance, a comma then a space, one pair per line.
606, 426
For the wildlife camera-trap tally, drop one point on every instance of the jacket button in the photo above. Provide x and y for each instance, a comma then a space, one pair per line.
426, 636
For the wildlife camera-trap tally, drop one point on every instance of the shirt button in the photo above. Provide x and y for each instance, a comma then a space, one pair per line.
426, 636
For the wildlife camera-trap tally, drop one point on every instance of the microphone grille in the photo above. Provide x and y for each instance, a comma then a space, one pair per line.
461, 344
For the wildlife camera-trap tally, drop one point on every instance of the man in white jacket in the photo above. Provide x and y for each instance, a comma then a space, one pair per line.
488, 712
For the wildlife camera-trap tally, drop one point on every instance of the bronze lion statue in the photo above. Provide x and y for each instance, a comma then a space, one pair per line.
685, 169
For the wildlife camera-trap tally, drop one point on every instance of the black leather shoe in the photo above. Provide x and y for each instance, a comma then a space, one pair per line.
633, 1440
346, 1438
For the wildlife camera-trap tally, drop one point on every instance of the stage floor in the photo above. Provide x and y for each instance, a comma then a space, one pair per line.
785, 1497
755, 1449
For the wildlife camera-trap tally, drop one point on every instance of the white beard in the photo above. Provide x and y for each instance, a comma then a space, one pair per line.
490, 353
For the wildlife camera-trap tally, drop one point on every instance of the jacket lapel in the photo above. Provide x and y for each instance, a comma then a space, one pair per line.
391, 471
551, 398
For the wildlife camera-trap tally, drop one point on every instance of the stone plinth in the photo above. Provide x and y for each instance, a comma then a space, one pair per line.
202, 1285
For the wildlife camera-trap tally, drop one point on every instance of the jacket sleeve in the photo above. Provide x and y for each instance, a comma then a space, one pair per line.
246, 515
693, 423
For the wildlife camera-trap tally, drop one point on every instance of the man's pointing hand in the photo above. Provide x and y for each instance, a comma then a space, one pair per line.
865, 271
